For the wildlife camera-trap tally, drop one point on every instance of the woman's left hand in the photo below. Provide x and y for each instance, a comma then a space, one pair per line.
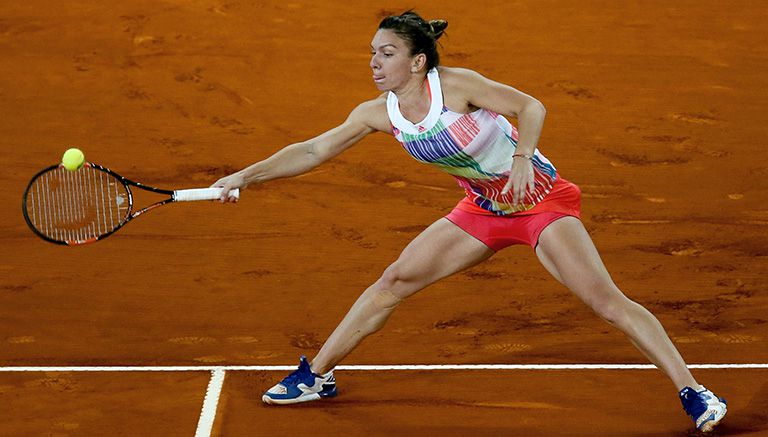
520, 179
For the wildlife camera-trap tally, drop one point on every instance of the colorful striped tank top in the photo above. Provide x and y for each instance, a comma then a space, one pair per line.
475, 148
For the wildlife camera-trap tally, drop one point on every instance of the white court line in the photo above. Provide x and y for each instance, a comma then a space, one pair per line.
208, 413
374, 367
213, 391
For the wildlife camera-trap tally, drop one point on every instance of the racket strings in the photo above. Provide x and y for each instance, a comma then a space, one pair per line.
77, 205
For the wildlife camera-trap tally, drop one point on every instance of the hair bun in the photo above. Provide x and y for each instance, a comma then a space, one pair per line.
419, 34
438, 27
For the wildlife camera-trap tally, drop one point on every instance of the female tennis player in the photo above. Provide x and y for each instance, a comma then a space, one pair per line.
453, 118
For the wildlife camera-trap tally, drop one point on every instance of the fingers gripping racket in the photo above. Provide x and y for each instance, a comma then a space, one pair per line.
89, 204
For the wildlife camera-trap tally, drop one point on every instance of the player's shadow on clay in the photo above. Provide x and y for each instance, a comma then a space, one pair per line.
751, 419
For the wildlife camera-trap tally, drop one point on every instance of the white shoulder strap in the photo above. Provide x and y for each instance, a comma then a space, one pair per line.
435, 108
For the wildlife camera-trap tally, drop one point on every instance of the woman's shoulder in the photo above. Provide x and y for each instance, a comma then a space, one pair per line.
456, 80
459, 86
374, 106
457, 75
374, 113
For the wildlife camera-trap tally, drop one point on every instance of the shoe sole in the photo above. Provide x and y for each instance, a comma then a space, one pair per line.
709, 426
303, 398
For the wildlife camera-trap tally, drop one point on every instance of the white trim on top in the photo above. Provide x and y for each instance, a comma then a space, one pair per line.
435, 108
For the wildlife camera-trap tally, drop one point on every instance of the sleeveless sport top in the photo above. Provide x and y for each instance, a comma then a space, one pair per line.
475, 148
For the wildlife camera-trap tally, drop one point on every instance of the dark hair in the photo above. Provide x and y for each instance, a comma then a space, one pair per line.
420, 34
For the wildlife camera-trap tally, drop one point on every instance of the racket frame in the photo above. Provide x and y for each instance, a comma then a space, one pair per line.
127, 183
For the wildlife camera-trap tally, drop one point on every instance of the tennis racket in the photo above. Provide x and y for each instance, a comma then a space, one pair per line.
91, 203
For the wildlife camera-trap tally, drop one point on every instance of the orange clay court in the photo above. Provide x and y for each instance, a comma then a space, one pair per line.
655, 109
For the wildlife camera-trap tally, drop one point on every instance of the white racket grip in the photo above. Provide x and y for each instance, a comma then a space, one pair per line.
202, 194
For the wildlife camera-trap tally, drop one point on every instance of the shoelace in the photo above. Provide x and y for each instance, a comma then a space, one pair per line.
292, 378
694, 403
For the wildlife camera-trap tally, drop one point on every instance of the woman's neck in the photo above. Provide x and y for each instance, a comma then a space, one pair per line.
414, 98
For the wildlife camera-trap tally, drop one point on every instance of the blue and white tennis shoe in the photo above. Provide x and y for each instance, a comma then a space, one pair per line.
301, 386
706, 409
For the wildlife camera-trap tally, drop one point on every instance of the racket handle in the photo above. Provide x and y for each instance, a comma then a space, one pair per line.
202, 194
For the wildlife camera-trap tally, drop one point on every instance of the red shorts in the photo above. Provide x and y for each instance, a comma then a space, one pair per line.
498, 232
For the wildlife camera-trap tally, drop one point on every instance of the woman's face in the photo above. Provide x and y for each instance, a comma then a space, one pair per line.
391, 60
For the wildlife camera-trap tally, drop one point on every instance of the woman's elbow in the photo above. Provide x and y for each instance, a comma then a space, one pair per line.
313, 153
537, 107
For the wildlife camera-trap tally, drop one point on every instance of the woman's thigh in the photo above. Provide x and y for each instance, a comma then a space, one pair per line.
568, 253
437, 252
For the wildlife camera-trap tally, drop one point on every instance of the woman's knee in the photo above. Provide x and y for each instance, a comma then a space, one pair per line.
384, 300
396, 280
616, 310
390, 277
374, 307
383, 294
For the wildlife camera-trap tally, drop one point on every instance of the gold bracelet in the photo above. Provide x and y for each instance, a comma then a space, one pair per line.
520, 155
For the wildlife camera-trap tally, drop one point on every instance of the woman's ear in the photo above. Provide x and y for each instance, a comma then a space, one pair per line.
419, 61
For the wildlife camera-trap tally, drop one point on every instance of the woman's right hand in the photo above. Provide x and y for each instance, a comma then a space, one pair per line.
229, 183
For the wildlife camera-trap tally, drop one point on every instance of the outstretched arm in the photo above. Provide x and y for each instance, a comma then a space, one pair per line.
299, 158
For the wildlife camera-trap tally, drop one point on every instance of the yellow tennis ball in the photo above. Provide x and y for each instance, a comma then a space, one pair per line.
73, 159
